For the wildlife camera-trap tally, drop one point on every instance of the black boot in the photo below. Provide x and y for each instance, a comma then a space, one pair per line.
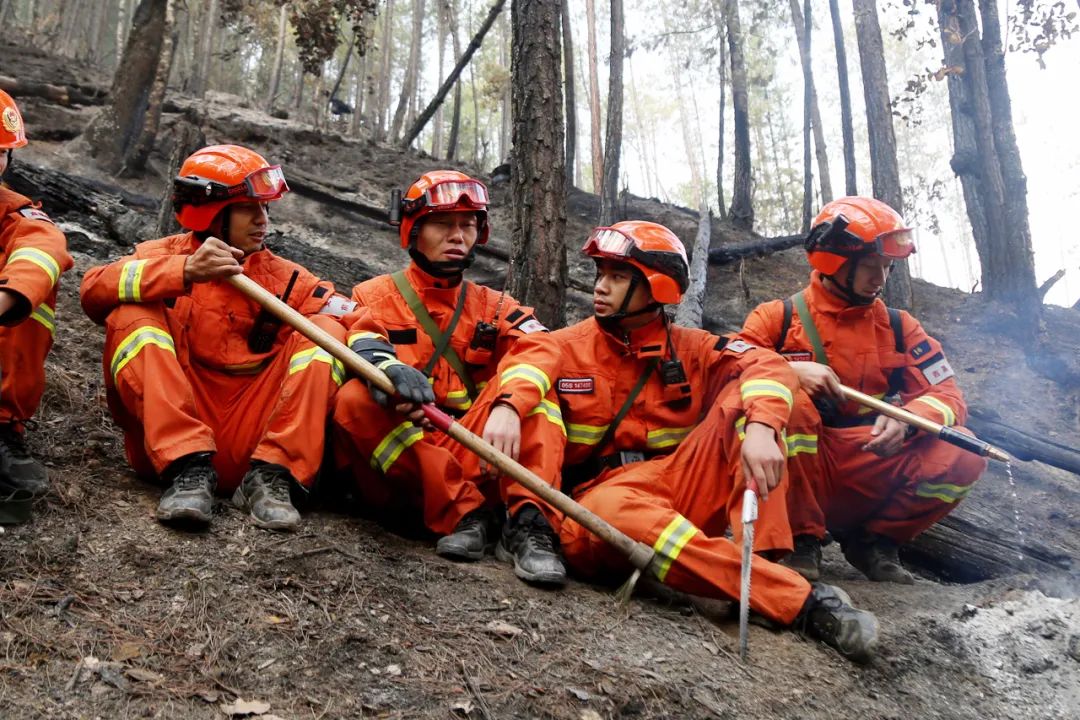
877, 557
531, 545
264, 492
829, 617
18, 469
190, 497
806, 558
472, 537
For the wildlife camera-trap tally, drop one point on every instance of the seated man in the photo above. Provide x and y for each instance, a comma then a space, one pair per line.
449, 336
659, 425
214, 394
873, 481
33, 254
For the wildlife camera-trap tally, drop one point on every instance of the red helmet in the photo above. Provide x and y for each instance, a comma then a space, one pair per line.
221, 175
652, 249
855, 226
12, 130
443, 191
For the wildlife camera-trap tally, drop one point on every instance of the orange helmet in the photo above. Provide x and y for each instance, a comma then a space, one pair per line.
443, 191
652, 249
855, 226
12, 130
221, 175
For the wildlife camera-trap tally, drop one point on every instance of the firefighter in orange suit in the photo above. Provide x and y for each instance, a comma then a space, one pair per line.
439, 338
658, 426
33, 254
214, 394
873, 481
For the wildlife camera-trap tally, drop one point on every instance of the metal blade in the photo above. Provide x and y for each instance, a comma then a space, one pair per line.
749, 515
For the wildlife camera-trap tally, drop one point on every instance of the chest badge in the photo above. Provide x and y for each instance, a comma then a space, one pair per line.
576, 386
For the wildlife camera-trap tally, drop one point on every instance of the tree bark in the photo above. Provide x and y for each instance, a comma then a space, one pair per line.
451, 80
187, 138
409, 85
279, 57
803, 35
594, 101
741, 212
455, 119
135, 164
851, 186
383, 108
204, 50
539, 275
718, 15
609, 199
884, 168
692, 308
568, 89
115, 132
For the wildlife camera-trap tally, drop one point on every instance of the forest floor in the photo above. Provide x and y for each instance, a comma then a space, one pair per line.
104, 613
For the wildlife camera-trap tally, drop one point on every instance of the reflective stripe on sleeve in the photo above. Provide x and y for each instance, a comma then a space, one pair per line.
551, 411
946, 411
302, 360
130, 289
40, 258
529, 373
46, 316
765, 388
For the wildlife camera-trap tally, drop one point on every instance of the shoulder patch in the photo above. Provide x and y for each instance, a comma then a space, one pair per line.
34, 214
798, 356
739, 346
936, 369
921, 349
531, 325
336, 305
514, 316
576, 386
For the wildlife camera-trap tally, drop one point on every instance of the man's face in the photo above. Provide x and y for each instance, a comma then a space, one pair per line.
447, 236
609, 289
248, 223
868, 274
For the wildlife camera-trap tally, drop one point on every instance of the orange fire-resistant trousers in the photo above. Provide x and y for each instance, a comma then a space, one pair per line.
681, 504
844, 488
23, 349
169, 407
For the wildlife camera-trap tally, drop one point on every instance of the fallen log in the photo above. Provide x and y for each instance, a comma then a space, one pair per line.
1024, 446
66, 95
730, 253
313, 188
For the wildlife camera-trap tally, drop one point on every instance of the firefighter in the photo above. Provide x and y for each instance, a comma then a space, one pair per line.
872, 481
33, 255
655, 427
439, 338
213, 394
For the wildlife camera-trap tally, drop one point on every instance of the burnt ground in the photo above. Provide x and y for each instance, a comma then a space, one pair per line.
105, 613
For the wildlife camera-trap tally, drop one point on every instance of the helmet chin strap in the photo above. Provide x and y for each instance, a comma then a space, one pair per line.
847, 288
7, 168
442, 268
614, 320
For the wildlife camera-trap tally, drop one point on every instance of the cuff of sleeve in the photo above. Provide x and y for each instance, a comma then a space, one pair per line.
774, 422
520, 404
20, 310
173, 277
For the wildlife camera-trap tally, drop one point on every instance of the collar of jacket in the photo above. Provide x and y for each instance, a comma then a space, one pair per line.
645, 342
823, 301
425, 284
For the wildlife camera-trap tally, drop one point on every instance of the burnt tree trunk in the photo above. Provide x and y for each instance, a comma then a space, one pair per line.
136, 162
741, 212
383, 104
455, 117
408, 87
692, 308
803, 34
539, 275
851, 186
718, 18
884, 168
279, 57
187, 138
115, 131
204, 48
609, 199
568, 89
594, 101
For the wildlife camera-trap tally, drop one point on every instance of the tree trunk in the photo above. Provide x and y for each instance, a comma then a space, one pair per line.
594, 101
187, 138
884, 169
741, 212
718, 15
204, 50
383, 108
455, 118
850, 185
452, 79
692, 308
114, 133
803, 26
539, 275
613, 141
803, 35
279, 57
136, 162
409, 85
441, 31
506, 113
344, 68
568, 89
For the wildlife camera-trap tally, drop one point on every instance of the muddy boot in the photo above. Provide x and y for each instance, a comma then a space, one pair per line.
17, 469
876, 557
472, 537
531, 545
806, 558
829, 617
264, 492
190, 497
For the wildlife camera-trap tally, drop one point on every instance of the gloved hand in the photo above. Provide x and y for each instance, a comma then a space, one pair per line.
411, 384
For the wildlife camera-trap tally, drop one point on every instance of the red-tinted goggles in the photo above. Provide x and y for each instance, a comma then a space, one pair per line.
264, 184
834, 237
609, 242
449, 195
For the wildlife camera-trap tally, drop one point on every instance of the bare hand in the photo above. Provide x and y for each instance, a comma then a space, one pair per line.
503, 431
888, 435
762, 459
8, 300
414, 412
817, 379
212, 261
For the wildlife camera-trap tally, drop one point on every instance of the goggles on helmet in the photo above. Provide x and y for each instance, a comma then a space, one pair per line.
834, 237
264, 184
448, 195
609, 242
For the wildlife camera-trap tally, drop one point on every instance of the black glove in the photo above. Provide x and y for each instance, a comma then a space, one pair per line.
411, 385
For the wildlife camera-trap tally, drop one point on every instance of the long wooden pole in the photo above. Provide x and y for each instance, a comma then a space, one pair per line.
948, 434
639, 554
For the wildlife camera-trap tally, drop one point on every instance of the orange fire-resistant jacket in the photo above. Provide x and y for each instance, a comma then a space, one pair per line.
33, 254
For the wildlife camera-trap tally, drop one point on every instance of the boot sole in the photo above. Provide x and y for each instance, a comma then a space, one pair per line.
178, 517
549, 579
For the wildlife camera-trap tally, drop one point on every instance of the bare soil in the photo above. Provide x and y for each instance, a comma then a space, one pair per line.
104, 613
